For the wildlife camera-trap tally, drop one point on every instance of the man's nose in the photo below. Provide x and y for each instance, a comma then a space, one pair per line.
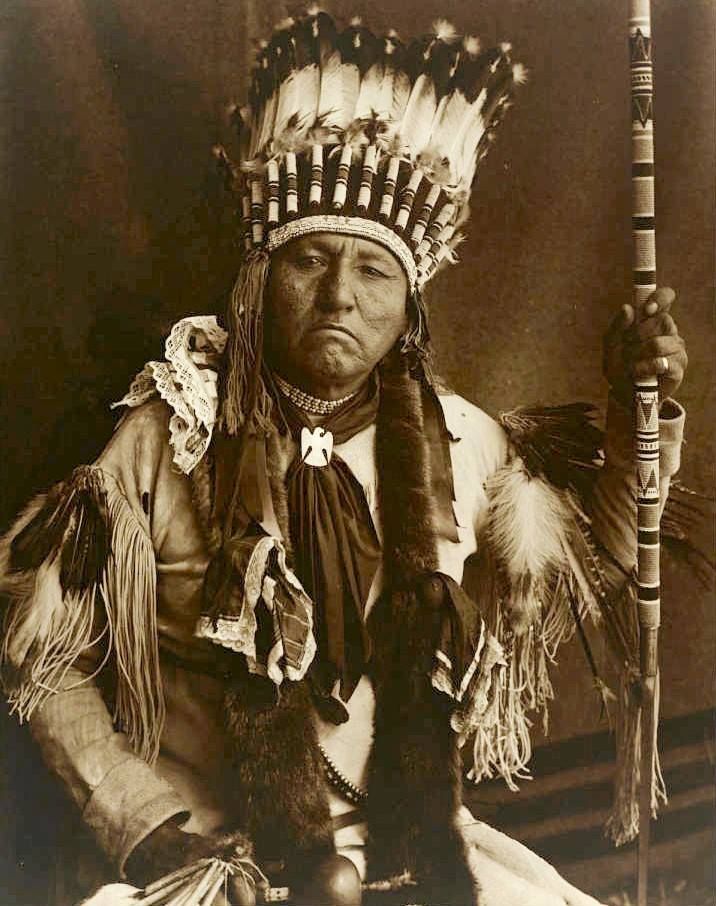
336, 292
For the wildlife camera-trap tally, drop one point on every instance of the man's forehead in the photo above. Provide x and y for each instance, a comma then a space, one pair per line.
342, 244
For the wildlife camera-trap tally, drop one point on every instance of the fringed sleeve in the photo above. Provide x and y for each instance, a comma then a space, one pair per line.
78, 574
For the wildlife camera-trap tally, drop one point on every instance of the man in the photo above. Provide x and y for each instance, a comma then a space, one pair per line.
241, 632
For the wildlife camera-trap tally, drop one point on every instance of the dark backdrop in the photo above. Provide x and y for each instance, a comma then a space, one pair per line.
114, 225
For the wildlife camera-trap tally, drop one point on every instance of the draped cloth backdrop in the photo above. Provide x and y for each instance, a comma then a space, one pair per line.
114, 225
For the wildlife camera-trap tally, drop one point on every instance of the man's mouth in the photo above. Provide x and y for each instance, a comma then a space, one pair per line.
331, 326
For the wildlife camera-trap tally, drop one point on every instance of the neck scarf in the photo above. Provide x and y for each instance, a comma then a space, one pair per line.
336, 549
326, 522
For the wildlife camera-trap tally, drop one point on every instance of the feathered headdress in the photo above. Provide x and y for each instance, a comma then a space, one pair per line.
348, 132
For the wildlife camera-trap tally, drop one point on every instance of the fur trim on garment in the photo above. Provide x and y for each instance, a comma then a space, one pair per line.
415, 784
407, 507
275, 772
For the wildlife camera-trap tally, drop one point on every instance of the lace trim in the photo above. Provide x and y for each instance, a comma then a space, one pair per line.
186, 381
294, 644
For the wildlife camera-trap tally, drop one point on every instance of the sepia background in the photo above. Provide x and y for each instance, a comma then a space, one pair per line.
114, 225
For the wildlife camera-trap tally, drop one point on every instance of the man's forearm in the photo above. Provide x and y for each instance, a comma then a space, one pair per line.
121, 798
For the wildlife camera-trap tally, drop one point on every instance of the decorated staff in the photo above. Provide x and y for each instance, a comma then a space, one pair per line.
646, 399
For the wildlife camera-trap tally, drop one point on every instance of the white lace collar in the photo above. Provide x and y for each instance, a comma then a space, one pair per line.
186, 381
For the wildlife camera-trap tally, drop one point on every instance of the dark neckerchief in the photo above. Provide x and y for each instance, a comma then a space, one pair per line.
330, 526
336, 549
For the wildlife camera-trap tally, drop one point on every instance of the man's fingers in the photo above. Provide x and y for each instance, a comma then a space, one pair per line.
660, 324
645, 343
673, 366
655, 347
660, 300
620, 323
625, 318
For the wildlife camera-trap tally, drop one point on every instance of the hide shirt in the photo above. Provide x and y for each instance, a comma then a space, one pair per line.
122, 799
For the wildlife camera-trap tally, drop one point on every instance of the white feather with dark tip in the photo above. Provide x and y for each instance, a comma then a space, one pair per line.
339, 79
433, 61
436, 102
526, 526
263, 98
299, 91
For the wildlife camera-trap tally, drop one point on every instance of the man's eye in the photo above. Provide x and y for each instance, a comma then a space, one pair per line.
372, 271
309, 261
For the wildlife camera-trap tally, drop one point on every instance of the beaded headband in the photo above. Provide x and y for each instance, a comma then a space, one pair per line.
347, 132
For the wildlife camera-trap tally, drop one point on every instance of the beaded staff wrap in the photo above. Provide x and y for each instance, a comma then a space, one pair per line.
342, 123
646, 406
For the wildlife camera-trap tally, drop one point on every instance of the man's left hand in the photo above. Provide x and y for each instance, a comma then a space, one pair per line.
645, 342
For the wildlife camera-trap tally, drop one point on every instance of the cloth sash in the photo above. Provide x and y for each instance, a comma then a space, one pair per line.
336, 549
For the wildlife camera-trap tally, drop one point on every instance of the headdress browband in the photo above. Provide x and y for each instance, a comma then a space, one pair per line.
351, 226
347, 132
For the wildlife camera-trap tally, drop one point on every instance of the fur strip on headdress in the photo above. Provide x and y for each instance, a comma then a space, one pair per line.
68, 596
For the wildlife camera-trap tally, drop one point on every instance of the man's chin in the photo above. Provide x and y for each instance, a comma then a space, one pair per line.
331, 364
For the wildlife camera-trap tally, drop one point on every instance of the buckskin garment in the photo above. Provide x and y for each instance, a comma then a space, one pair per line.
123, 781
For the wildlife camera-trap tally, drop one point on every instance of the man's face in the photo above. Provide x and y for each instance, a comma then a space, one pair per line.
335, 306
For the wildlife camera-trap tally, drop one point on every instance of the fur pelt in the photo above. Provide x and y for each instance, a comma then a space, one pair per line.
274, 772
276, 780
415, 786
407, 507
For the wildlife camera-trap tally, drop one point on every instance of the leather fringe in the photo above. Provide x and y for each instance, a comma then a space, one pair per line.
622, 826
62, 584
